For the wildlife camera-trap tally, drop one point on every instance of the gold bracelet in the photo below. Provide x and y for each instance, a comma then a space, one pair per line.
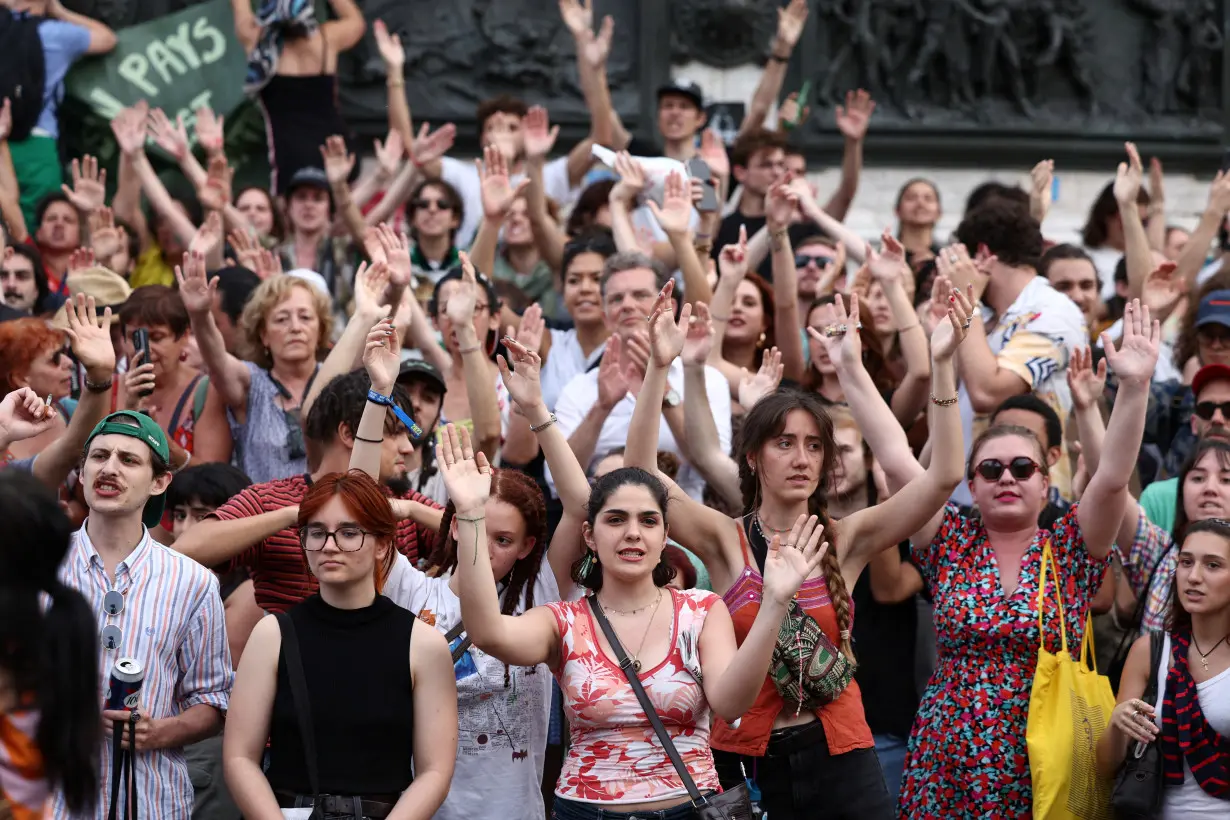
944, 402
703, 247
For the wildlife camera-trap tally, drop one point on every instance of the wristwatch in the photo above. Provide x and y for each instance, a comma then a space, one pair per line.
672, 398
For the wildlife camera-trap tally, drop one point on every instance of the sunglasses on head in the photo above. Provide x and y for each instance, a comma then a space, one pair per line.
1021, 468
1206, 409
60, 355
427, 202
801, 260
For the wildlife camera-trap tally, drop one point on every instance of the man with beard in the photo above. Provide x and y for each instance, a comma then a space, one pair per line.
1210, 419
23, 282
154, 606
257, 528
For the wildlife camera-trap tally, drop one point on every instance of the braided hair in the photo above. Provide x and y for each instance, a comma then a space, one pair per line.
765, 421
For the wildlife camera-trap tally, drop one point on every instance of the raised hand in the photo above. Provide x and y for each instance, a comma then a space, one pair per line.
1136, 357
788, 113
429, 146
390, 48
1041, 181
666, 336
1128, 178
613, 383
89, 191
81, 259
698, 343
631, 179
208, 236
370, 283
1157, 190
467, 475
538, 133
788, 564
171, 137
90, 337
1086, 383
732, 259
852, 121
754, 387
215, 194
1162, 290
246, 247
195, 289
396, 252
532, 328
498, 191
955, 265
594, 49
577, 17
461, 305
524, 384
338, 161
888, 265
129, 127
268, 264
781, 205
790, 22
947, 336
840, 339
210, 131
23, 415
389, 153
105, 238
713, 152
382, 356
675, 213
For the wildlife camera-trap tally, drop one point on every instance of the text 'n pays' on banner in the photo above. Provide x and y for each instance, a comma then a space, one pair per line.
177, 63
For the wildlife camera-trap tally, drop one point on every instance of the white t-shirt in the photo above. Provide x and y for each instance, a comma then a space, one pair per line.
463, 175
564, 362
1105, 260
502, 731
581, 394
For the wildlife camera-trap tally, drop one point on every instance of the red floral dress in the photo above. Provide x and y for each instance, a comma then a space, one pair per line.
615, 757
967, 756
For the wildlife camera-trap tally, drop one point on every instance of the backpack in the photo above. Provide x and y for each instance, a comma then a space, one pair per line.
23, 73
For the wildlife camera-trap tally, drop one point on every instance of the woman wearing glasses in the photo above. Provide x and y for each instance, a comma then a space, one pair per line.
50, 727
382, 704
34, 355
286, 327
967, 756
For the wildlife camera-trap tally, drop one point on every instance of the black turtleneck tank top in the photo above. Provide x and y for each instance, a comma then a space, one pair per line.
357, 665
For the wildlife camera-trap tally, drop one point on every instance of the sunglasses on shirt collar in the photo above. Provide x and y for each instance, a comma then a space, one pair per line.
1021, 468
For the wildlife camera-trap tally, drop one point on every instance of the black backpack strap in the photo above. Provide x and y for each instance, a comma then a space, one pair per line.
298, 691
635, 682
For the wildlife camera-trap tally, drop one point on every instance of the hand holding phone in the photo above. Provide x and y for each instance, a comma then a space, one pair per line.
699, 169
140, 343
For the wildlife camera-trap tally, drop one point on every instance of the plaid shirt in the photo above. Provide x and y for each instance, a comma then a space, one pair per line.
1151, 562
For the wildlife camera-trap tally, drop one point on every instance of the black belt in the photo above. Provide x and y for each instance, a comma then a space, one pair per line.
374, 806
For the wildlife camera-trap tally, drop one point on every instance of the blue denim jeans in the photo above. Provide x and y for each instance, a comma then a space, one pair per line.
575, 810
890, 749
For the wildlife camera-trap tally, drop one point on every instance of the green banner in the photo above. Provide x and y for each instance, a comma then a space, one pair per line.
177, 63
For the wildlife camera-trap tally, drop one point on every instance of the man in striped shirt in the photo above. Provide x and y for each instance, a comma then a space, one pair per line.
257, 528
155, 606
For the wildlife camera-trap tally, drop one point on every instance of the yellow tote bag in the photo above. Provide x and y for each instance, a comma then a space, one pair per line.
1069, 708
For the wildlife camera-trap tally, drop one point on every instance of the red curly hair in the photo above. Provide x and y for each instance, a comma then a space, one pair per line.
22, 341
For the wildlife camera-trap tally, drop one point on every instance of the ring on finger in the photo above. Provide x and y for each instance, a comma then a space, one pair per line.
967, 323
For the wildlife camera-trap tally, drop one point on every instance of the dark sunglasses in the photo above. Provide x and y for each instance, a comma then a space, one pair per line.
1020, 467
1206, 409
1214, 333
441, 204
803, 259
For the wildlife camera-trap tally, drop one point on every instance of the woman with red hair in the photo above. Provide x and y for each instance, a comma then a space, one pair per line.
35, 355
380, 697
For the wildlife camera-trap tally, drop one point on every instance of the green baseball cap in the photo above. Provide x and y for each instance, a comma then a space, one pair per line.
143, 428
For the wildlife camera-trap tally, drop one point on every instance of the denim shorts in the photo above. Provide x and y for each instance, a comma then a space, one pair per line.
798, 778
576, 810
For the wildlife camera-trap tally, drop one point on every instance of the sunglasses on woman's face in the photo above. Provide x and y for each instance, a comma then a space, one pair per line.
1020, 467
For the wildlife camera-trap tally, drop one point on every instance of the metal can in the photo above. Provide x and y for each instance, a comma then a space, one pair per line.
125, 685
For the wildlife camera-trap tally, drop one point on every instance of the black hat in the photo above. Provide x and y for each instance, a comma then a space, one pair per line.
684, 88
309, 177
420, 369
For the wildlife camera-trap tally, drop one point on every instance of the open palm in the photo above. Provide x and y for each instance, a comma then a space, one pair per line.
888, 264
841, 344
1130, 175
523, 383
1136, 357
666, 336
382, 356
788, 564
195, 289
1086, 383
467, 475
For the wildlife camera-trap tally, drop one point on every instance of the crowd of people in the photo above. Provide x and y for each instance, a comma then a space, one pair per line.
709, 504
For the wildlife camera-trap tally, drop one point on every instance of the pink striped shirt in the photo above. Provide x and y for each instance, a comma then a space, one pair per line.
173, 623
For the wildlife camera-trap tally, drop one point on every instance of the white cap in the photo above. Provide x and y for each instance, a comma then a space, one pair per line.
312, 278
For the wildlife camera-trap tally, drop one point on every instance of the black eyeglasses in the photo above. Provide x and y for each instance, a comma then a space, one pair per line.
440, 204
802, 260
348, 539
112, 635
1206, 409
1020, 467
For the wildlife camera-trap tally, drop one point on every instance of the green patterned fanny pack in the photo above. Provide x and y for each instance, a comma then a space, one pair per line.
807, 669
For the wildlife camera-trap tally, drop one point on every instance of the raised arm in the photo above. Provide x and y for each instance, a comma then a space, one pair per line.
1137, 254
338, 163
226, 373
381, 358
917, 508
1193, 256
622, 200
102, 38
480, 387
1155, 224
394, 58
790, 22
498, 195
539, 139
247, 29
344, 32
715, 466
1106, 498
520, 444
520, 640
780, 206
675, 216
889, 269
852, 122
129, 130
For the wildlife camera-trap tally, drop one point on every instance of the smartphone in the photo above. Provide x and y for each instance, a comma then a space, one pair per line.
804, 93
699, 169
140, 343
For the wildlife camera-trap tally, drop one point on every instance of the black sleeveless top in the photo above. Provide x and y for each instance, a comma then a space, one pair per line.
357, 665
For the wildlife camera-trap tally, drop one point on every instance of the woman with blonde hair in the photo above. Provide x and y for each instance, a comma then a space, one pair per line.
286, 326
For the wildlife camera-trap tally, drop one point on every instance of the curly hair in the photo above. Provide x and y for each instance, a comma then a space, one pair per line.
1007, 229
752, 141
1187, 345
22, 341
271, 293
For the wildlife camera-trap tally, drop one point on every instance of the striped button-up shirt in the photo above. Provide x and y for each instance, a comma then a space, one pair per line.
173, 624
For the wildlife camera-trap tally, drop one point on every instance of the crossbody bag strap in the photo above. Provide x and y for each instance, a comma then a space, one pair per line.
650, 712
298, 692
1155, 660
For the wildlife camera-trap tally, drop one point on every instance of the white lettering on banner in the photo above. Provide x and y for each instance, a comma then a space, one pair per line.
106, 105
174, 56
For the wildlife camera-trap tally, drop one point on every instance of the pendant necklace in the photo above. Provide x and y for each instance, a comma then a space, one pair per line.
636, 661
1204, 656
